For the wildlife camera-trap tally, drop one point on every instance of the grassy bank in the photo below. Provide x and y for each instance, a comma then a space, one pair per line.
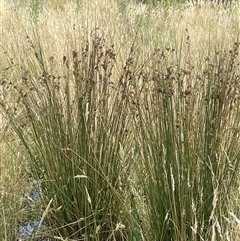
128, 116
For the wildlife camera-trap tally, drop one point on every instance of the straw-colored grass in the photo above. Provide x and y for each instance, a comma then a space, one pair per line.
127, 113
13, 182
147, 28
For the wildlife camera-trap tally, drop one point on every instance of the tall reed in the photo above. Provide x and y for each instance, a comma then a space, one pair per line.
139, 146
188, 143
74, 128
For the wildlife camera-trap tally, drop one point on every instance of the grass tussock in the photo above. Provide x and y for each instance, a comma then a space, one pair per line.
188, 145
129, 119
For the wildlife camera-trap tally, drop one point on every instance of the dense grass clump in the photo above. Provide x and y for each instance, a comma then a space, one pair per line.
130, 128
188, 144
74, 131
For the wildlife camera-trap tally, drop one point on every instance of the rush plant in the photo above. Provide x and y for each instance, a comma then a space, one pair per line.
127, 115
74, 130
188, 144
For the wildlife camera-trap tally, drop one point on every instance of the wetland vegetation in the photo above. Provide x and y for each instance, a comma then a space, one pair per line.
125, 116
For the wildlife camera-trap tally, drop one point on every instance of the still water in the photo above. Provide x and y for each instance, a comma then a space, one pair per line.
27, 230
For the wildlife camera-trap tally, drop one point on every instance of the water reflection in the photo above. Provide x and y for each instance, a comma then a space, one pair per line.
27, 230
